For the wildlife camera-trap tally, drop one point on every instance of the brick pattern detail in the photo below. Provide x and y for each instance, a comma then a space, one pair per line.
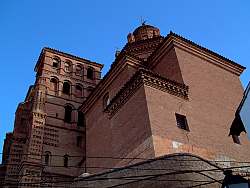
148, 78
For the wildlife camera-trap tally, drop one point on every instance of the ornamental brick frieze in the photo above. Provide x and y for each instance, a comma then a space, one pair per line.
39, 115
145, 77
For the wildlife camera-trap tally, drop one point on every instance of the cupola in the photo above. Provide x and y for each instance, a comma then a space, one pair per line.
143, 32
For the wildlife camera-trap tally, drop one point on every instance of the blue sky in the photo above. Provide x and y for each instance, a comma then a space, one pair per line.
95, 29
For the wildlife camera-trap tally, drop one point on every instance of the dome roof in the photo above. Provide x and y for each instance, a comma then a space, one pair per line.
143, 32
143, 27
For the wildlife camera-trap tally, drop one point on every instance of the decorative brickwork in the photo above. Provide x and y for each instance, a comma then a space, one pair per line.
145, 77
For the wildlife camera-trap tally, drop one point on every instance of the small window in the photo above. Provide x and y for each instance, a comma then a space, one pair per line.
54, 84
79, 70
81, 119
67, 67
47, 158
66, 88
67, 114
78, 90
106, 100
65, 160
181, 121
56, 63
79, 141
90, 73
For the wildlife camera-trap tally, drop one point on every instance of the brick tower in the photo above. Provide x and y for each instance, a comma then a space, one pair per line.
48, 141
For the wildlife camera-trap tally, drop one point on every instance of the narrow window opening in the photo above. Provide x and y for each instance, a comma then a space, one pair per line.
81, 119
181, 121
78, 91
67, 115
67, 67
65, 161
66, 88
53, 84
47, 158
90, 73
56, 63
79, 70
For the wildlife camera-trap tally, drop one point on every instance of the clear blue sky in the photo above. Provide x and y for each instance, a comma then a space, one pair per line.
95, 29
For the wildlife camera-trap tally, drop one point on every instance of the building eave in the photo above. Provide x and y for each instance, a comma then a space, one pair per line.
196, 49
67, 55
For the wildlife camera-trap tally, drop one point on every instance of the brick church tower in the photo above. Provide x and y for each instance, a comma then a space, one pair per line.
161, 96
48, 128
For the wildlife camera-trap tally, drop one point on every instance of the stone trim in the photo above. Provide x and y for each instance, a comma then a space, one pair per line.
145, 77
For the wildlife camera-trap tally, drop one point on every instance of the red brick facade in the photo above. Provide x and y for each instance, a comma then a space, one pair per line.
43, 136
140, 120
131, 113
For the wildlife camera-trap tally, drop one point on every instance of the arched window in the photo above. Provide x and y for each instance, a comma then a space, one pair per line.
79, 70
53, 84
56, 62
67, 66
78, 90
81, 119
66, 88
65, 160
106, 100
68, 113
90, 73
47, 158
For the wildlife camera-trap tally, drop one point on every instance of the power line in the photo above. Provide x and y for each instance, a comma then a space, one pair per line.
150, 176
147, 177
115, 178
128, 158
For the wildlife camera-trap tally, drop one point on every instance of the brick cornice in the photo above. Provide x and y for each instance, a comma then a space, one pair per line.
174, 40
148, 78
